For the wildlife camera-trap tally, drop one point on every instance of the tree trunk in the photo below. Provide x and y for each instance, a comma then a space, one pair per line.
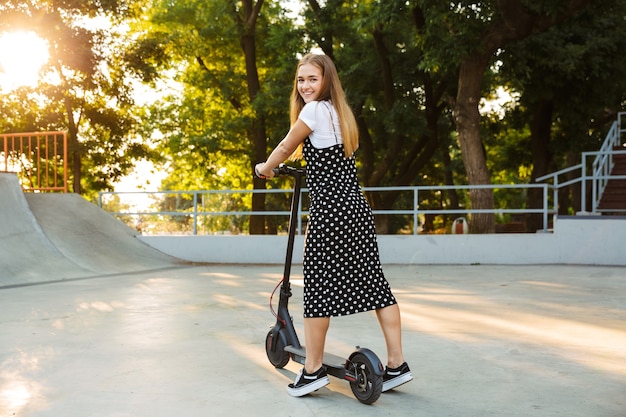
452, 195
540, 129
74, 148
574, 190
257, 133
467, 119
515, 22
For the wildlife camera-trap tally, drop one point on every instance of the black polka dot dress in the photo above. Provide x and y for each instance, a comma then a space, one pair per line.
341, 264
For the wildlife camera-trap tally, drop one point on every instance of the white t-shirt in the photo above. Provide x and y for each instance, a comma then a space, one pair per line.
321, 117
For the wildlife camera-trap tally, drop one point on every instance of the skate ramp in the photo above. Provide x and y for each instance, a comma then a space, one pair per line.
49, 237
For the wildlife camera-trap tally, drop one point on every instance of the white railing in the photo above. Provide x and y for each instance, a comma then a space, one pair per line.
601, 169
199, 201
599, 175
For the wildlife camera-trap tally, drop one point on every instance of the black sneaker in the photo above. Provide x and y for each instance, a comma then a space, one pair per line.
394, 377
307, 383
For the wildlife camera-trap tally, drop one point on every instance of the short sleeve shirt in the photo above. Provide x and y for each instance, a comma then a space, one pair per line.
321, 117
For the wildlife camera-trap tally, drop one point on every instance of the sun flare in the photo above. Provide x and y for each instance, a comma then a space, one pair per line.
22, 54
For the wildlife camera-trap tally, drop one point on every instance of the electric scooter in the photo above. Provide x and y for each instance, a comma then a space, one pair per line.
362, 369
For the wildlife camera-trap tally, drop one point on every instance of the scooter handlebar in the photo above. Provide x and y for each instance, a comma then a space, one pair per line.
283, 170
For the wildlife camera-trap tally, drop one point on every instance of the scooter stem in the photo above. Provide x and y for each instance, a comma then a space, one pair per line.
293, 222
285, 291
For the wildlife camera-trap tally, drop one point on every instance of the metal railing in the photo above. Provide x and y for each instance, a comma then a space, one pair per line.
600, 174
38, 158
197, 201
600, 169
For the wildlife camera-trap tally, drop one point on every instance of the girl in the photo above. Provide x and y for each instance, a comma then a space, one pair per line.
341, 265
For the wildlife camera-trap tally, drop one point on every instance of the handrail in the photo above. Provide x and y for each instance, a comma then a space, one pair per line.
600, 174
39, 158
603, 163
601, 168
415, 210
556, 186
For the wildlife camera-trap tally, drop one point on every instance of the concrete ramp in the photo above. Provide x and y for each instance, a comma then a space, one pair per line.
49, 237
26, 254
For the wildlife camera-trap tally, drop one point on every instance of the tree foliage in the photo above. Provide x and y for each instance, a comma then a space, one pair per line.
236, 88
84, 88
401, 103
570, 81
415, 73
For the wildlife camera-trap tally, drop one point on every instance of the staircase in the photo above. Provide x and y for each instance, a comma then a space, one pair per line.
605, 178
613, 198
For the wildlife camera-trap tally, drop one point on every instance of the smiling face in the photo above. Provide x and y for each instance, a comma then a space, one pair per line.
309, 80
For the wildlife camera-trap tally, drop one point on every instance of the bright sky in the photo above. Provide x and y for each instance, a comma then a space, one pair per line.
22, 54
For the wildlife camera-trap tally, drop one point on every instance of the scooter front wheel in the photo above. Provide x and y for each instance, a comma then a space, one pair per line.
275, 343
368, 385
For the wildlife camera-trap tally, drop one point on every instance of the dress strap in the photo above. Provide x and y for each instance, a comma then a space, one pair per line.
332, 122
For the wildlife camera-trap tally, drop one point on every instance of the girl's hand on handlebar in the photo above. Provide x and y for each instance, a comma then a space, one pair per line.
259, 170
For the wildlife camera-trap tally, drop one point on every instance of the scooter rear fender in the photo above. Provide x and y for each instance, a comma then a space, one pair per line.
379, 369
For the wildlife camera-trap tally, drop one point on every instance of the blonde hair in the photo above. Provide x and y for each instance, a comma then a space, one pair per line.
331, 90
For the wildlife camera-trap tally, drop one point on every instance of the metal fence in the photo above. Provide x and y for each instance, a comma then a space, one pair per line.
38, 158
598, 173
202, 204
196, 206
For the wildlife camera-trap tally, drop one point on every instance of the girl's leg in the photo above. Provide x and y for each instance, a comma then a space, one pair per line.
390, 323
315, 338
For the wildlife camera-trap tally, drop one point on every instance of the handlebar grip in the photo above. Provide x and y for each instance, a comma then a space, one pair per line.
283, 169
289, 170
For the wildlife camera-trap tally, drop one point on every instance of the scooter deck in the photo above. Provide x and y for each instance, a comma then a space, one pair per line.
329, 360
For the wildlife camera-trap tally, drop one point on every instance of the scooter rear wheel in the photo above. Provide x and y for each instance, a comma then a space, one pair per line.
368, 384
275, 348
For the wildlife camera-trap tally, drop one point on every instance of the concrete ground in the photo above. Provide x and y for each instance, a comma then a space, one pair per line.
502, 341
95, 323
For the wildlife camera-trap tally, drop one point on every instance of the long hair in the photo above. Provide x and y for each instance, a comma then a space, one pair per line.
332, 90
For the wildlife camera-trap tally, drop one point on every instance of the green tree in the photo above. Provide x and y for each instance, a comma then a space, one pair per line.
236, 88
571, 79
400, 104
471, 34
84, 89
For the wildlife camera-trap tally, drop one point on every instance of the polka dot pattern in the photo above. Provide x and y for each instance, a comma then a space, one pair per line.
341, 265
